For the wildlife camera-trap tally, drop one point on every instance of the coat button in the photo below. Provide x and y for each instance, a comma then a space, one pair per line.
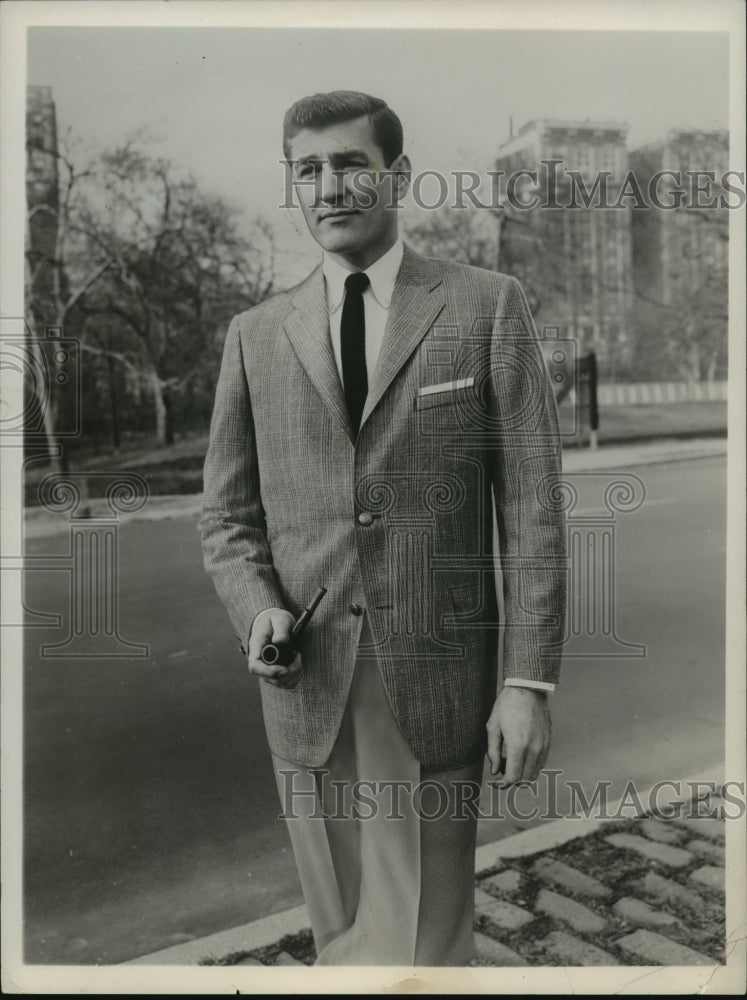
356, 609
365, 519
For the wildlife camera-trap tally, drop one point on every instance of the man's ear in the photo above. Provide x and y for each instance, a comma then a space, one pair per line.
401, 170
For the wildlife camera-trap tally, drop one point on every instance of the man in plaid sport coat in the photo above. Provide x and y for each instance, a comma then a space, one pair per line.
395, 684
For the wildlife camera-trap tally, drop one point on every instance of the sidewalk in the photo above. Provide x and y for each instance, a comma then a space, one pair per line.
39, 522
574, 892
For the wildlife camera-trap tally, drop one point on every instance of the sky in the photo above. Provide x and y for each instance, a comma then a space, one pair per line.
214, 98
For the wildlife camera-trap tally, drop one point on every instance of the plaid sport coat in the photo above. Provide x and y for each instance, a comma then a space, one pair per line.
460, 419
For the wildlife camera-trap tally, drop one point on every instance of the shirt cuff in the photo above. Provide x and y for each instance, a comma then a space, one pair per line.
519, 682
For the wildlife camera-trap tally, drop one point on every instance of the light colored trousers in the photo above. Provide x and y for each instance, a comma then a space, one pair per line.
388, 886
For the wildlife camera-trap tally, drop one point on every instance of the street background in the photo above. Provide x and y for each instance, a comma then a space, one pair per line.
150, 812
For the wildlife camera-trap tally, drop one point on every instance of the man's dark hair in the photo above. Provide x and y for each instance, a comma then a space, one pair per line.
320, 110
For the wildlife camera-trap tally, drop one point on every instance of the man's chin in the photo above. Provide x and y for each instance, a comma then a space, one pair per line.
339, 242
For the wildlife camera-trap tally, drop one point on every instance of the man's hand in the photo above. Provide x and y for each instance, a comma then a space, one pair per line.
519, 733
273, 625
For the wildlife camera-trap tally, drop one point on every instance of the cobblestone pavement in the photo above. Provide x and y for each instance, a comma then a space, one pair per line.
641, 892
637, 892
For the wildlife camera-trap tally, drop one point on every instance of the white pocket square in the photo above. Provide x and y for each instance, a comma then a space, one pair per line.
462, 383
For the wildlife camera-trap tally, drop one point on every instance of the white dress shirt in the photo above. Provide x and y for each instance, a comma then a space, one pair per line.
376, 301
377, 298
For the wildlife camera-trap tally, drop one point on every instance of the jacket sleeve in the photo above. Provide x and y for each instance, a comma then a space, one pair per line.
527, 486
235, 548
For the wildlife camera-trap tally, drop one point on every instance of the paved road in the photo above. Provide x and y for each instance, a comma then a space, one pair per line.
149, 803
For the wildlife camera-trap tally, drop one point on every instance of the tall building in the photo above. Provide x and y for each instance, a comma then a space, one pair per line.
673, 246
680, 254
574, 258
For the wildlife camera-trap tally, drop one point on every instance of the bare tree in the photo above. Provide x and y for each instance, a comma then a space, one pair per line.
58, 274
146, 269
181, 267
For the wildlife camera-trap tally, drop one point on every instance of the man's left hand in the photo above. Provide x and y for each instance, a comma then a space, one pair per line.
519, 732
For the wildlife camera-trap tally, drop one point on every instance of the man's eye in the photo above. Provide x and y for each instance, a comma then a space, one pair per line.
308, 170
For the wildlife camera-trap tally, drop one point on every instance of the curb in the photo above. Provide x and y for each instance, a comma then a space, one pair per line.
269, 930
257, 934
622, 456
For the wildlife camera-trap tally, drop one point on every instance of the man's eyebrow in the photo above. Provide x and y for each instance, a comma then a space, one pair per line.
348, 154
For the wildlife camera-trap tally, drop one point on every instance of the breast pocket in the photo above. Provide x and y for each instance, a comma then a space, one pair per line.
437, 399
446, 394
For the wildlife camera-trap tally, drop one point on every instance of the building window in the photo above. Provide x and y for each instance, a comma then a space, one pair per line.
609, 158
557, 153
584, 158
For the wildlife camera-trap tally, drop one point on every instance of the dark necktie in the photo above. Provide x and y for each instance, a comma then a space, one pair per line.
353, 347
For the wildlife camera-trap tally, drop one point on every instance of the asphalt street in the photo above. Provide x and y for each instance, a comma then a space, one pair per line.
150, 807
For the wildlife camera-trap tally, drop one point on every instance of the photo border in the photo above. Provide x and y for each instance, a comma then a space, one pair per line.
632, 15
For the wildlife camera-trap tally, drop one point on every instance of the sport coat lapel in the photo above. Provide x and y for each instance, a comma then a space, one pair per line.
416, 302
307, 327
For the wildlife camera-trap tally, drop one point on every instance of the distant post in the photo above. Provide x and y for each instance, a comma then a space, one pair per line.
587, 379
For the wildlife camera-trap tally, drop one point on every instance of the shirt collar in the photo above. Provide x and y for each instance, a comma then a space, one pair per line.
382, 274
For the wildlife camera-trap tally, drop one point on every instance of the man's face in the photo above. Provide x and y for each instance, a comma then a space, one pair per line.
347, 194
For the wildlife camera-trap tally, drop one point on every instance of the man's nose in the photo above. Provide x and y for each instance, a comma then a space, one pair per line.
331, 185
